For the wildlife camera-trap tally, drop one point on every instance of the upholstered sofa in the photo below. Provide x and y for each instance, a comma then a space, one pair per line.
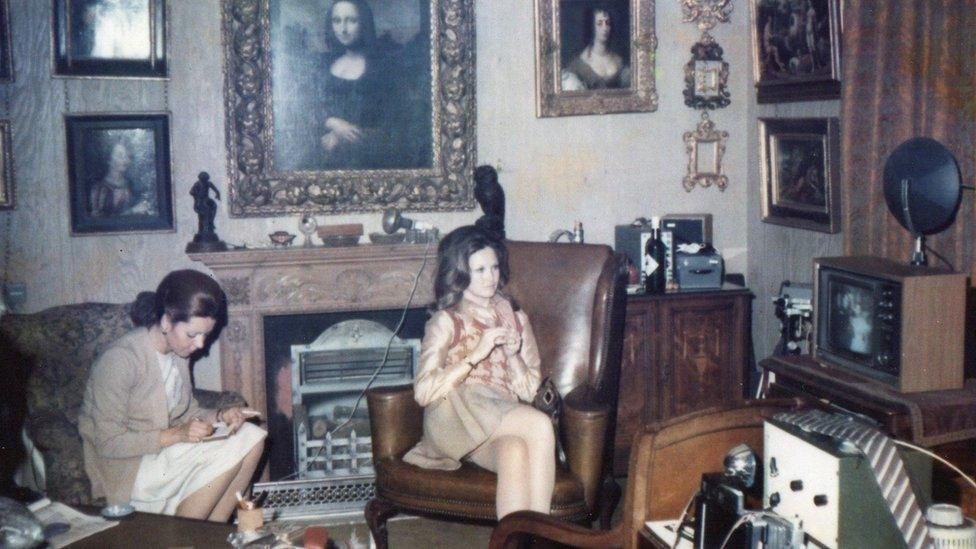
44, 362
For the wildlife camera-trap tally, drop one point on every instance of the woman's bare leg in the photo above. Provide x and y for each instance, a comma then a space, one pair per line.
222, 511
201, 503
522, 453
215, 501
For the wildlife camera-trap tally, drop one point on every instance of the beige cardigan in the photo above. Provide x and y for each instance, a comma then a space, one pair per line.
124, 411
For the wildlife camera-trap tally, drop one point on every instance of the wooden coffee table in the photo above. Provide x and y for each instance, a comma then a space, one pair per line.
148, 530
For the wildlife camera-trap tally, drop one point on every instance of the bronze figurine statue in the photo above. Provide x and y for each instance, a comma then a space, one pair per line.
206, 239
491, 197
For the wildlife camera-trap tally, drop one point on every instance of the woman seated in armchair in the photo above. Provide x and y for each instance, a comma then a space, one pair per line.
143, 432
479, 365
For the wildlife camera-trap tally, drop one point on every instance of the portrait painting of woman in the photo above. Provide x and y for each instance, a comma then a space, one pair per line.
119, 173
594, 47
351, 85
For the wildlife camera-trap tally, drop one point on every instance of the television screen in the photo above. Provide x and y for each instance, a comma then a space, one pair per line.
851, 317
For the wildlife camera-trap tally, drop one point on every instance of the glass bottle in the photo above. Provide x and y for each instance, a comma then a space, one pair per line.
654, 260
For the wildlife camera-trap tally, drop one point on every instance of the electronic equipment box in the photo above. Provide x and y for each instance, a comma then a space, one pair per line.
688, 228
832, 484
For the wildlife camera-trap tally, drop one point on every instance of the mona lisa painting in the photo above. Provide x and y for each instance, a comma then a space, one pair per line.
364, 104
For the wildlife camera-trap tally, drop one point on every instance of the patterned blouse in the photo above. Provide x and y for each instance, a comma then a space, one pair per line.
452, 334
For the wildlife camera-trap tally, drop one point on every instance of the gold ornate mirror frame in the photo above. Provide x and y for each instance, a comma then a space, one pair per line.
705, 147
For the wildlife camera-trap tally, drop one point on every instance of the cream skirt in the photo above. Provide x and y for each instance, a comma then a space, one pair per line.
167, 478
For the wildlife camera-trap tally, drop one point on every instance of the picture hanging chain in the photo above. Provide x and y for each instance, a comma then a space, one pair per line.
6, 102
67, 101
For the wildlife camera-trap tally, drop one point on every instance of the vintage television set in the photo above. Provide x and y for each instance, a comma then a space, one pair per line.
902, 325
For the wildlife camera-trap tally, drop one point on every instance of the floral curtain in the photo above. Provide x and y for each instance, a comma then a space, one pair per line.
909, 69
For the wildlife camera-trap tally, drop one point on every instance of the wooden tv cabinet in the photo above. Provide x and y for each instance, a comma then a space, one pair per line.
682, 351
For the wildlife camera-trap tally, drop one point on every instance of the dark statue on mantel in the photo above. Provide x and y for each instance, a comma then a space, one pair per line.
206, 239
491, 197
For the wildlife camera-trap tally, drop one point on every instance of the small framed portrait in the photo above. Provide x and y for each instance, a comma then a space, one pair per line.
594, 57
800, 172
796, 49
110, 38
6, 54
6, 168
119, 173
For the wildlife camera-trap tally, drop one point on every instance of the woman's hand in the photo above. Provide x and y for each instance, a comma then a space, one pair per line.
343, 130
233, 417
490, 339
330, 142
191, 431
513, 343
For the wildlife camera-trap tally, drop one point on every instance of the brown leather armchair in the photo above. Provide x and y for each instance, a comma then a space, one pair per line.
574, 296
666, 464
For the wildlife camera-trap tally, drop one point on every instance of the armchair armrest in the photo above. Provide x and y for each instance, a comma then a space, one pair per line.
396, 421
584, 431
521, 524
53, 432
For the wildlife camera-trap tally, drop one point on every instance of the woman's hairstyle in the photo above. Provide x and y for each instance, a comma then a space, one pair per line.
367, 26
181, 295
589, 21
453, 253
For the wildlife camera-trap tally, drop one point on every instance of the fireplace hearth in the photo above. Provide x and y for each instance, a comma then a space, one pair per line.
285, 302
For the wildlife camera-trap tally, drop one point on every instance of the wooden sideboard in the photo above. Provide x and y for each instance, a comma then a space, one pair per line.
682, 351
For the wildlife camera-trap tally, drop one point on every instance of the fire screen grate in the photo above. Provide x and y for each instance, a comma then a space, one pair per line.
305, 498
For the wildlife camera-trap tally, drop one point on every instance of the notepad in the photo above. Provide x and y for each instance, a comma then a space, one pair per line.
221, 431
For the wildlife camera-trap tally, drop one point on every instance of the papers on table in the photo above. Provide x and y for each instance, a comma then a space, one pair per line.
81, 525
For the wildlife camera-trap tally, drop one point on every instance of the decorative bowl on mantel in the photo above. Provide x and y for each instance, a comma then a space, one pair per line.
344, 234
281, 239
339, 240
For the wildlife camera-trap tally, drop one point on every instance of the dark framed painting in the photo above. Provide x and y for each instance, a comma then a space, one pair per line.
796, 49
119, 173
801, 172
109, 38
6, 54
594, 57
6, 168
341, 106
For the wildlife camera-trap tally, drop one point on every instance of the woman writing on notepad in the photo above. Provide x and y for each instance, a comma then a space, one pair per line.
144, 433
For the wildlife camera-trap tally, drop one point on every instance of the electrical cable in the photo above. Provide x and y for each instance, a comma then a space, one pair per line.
938, 255
937, 457
376, 372
681, 520
742, 520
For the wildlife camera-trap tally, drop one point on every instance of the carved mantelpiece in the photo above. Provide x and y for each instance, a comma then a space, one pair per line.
263, 282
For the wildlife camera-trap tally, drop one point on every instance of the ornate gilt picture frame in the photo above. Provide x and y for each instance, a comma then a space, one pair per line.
615, 36
304, 132
705, 148
800, 172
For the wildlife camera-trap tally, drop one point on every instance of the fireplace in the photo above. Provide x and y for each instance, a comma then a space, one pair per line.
307, 328
317, 367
